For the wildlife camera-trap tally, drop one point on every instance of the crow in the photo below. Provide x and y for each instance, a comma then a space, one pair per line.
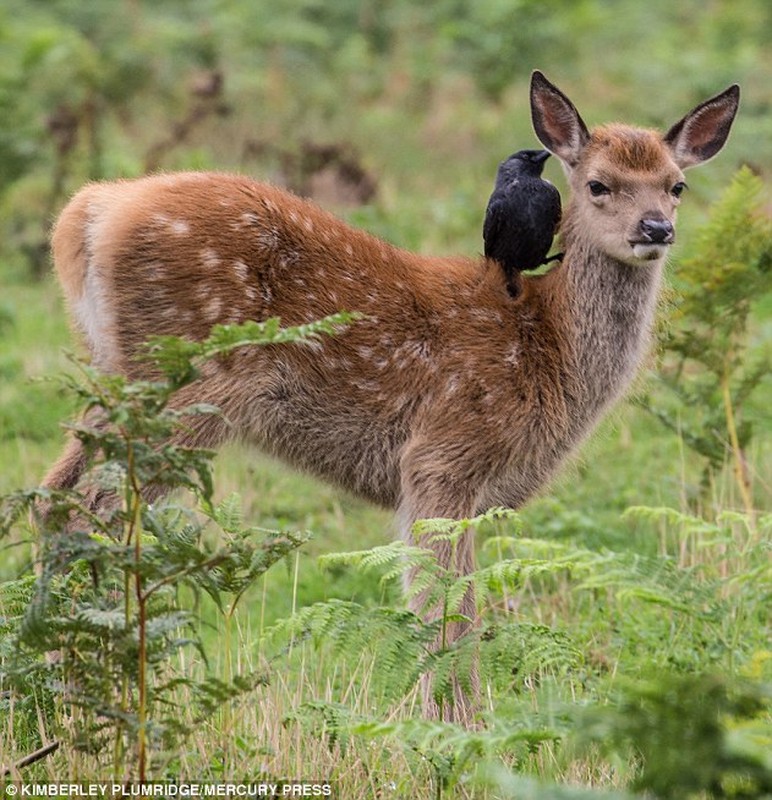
522, 216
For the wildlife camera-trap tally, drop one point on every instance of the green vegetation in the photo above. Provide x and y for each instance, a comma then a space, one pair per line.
624, 640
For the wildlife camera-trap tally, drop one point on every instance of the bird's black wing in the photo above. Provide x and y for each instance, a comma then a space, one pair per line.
494, 227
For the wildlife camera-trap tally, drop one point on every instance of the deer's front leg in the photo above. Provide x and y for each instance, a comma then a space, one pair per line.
434, 486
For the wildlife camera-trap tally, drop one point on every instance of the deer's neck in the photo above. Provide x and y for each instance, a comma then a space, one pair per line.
608, 309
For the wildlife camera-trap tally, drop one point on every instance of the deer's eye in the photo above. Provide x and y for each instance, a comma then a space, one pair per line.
598, 189
678, 189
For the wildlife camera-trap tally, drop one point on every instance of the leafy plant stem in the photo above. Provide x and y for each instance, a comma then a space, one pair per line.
135, 530
118, 747
740, 470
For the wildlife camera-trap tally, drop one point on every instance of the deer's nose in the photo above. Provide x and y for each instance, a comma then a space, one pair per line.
656, 230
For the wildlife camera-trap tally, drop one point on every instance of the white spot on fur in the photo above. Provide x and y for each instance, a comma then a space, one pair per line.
414, 349
349, 249
308, 224
269, 239
241, 270
367, 386
179, 227
213, 308
288, 257
365, 352
293, 216
250, 292
451, 385
210, 258
154, 270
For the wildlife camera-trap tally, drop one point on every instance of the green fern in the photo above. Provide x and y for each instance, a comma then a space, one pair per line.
396, 640
516, 654
728, 271
107, 597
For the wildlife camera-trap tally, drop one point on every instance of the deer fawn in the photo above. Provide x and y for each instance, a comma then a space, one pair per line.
451, 395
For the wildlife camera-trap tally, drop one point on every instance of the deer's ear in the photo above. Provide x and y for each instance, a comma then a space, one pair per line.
556, 121
704, 130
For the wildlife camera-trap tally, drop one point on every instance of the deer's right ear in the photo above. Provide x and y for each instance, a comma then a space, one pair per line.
556, 121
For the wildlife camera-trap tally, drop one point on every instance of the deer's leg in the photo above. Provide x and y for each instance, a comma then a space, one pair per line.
66, 472
69, 467
431, 488
69, 471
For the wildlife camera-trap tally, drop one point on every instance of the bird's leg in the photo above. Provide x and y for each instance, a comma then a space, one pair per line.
556, 257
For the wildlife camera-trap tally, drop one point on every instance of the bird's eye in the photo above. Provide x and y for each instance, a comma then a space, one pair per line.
597, 189
678, 189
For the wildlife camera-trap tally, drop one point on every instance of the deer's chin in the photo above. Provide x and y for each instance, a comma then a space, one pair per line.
643, 252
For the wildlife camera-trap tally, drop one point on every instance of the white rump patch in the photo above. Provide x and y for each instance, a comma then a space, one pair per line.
95, 318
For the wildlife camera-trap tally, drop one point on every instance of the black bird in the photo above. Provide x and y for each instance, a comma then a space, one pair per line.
522, 216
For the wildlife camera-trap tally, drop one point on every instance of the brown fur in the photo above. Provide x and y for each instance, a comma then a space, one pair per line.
451, 396
633, 150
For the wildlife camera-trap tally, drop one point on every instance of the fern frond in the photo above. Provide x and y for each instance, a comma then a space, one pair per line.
394, 558
443, 529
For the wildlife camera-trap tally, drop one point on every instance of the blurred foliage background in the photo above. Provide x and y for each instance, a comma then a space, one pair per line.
360, 103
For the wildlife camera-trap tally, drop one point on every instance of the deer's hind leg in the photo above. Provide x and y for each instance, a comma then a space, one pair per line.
71, 470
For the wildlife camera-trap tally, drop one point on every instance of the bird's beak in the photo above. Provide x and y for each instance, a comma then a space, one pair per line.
542, 157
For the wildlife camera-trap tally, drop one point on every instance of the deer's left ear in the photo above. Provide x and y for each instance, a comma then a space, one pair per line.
704, 130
